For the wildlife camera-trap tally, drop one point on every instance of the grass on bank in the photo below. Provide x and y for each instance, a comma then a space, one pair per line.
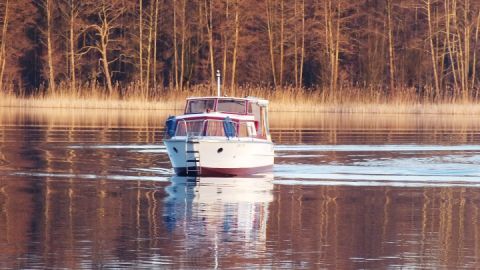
289, 99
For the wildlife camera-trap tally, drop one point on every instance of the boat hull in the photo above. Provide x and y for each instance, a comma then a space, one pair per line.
219, 156
216, 172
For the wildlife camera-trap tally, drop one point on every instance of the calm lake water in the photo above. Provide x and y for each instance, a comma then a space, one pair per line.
94, 189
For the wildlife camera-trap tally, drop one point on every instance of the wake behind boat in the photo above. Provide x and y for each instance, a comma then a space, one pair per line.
220, 136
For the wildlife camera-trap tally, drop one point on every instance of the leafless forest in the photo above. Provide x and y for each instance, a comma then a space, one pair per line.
429, 47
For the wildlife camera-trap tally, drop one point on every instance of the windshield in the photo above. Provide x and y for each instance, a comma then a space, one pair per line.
200, 106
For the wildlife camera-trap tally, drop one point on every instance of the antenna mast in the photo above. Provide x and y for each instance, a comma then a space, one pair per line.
218, 83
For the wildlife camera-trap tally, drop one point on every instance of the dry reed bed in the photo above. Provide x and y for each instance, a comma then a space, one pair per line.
354, 100
154, 119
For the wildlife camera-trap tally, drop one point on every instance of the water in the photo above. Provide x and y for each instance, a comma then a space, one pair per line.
94, 189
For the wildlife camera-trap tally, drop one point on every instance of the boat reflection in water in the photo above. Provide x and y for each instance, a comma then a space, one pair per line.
212, 211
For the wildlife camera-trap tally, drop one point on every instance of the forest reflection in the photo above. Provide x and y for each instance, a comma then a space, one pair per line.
205, 223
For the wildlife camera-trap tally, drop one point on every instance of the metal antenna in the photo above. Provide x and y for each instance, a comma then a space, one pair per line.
218, 83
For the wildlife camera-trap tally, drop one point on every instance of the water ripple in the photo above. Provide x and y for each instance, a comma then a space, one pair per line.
376, 148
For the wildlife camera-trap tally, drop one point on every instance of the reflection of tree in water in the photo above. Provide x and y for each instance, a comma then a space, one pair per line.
71, 222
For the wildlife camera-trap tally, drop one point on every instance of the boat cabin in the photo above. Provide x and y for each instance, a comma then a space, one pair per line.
222, 116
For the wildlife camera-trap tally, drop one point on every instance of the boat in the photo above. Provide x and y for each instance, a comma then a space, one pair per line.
220, 136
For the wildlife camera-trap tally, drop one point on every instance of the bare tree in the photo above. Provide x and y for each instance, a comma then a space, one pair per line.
461, 18
331, 13
391, 52
140, 40
430, 45
108, 13
51, 73
225, 37
299, 52
209, 25
71, 10
474, 64
47, 6
183, 44
155, 36
175, 49
302, 50
149, 45
282, 41
270, 17
433, 52
235, 46
3, 42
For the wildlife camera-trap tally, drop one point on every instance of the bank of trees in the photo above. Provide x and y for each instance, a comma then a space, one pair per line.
326, 45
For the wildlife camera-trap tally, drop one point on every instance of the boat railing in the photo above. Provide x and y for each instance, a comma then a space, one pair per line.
214, 127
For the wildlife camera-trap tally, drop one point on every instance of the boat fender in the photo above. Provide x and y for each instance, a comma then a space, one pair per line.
171, 125
229, 127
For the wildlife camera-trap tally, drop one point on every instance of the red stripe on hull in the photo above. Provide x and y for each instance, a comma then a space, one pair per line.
205, 171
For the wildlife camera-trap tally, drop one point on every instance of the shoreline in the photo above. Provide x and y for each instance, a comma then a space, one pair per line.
298, 104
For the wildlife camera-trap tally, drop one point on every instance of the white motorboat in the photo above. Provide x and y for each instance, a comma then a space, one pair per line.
220, 136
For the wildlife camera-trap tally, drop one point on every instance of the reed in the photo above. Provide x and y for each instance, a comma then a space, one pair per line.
287, 99
284, 121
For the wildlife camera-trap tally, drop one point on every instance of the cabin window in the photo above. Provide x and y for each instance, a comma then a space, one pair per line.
255, 110
231, 106
200, 105
250, 108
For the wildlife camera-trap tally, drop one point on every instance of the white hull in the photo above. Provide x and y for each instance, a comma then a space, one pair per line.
219, 155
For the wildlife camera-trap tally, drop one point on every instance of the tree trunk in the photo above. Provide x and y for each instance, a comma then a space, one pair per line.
302, 53
209, 23
225, 45
466, 40
459, 53
73, 80
182, 53
106, 69
432, 49
149, 49
270, 43
337, 50
295, 45
391, 55
154, 75
235, 47
329, 41
332, 35
2, 49
474, 64
450, 46
51, 74
282, 41
175, 51
140, 40
104, 39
